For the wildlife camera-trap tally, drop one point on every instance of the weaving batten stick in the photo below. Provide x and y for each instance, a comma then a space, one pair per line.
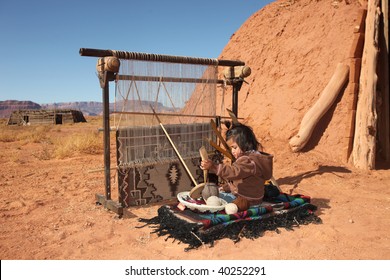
220, 137
174, 147
220, 149
204, 155
233, 117
101, 169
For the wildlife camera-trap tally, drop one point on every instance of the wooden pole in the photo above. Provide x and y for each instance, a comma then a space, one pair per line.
364, 145
220, 149
106, 139
106, 199
320, 107
220, 137
159, 57
204, 155
233, 117
352, 90
383, 81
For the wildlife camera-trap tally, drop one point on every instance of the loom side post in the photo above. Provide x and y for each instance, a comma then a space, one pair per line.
237, 83
106, 199
106, 141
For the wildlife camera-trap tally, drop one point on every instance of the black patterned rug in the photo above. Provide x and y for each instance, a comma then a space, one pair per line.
196, 229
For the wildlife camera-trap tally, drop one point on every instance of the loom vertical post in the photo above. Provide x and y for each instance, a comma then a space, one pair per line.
106, 199
237, 83
106, 141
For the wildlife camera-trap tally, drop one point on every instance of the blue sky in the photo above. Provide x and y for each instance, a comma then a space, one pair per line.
40, 40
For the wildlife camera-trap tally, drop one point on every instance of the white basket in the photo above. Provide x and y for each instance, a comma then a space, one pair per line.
200, 207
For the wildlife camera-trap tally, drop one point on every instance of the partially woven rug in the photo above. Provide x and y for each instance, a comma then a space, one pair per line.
197, 229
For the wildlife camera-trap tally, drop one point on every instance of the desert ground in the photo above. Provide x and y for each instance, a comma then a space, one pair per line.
50, 175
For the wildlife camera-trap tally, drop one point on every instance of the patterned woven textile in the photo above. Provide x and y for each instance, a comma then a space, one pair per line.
197, 229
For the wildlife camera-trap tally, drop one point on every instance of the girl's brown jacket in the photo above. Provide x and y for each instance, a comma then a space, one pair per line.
246, 176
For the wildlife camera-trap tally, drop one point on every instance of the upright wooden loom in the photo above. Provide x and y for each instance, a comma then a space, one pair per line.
182, 90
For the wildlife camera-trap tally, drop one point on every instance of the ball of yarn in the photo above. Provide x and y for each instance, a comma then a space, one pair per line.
242, 203
231, 208
213, 201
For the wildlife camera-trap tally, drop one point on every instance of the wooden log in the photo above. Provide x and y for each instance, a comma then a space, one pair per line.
321, 106
364, 146
383, 84
356, 53
204, 156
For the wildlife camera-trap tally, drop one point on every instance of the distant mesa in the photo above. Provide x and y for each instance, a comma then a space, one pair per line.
30, 113
88, 108
8, 106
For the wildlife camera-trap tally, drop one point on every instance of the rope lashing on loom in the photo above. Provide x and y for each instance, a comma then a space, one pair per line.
158, 57
163, 58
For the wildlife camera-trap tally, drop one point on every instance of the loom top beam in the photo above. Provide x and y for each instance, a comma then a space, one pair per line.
158, 57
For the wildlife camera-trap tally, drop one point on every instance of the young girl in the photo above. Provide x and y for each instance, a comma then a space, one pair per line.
247, 174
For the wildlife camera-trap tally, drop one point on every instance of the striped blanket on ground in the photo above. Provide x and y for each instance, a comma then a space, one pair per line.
197, 229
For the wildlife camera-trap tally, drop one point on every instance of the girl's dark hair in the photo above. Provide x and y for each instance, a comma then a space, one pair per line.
244, 137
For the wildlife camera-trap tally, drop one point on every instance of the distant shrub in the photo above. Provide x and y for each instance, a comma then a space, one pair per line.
98, 120
87, 143
7, 136
56, 141
35, 134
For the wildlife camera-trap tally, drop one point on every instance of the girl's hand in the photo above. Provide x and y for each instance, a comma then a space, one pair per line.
206, 164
